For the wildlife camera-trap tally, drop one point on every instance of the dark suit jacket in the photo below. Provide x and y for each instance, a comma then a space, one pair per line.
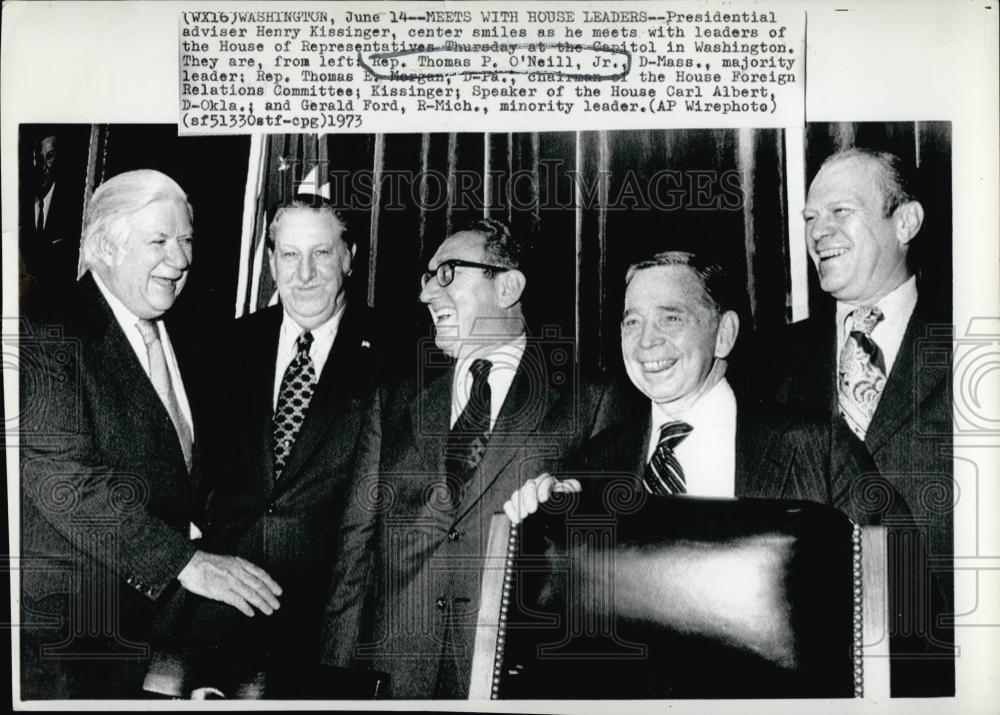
106, 501
49, 257
286, 526
420, 559
911, 442
779, 455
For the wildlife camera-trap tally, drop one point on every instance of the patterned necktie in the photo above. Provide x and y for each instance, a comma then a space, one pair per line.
663, 473
862, 372
160, 377
467, 439
296, 391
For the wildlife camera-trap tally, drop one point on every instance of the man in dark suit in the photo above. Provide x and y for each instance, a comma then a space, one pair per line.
49, 226
110, 459
302, 421
452, 451
873, 358
679, 327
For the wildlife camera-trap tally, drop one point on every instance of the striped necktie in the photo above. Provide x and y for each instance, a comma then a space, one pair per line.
862, 372
664, 474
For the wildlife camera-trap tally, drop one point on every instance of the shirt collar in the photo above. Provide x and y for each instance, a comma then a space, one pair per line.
321, 333
125, 317
896, 303
716, 407
508, 353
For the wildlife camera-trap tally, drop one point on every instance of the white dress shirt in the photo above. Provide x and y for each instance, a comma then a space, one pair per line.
896, 307
708, 454
319, 351
505, 360
46, 202
127, 321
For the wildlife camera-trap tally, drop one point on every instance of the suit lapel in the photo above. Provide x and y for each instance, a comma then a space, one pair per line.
116, 358
429, 419
262, 356
758, 467
330, 397
510, 432
909, 383
813, 376
746, 454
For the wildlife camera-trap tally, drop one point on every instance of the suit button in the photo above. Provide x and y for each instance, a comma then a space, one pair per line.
454, 535
271, 510
441, 603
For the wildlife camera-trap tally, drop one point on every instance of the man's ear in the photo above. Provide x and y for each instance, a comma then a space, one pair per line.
509, 286
725, 338
107, 250
909, 218
271, 262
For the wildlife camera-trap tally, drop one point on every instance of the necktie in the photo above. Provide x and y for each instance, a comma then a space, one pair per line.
294, 395
663, 473
467, 439
862, 371
160, 377
40, 218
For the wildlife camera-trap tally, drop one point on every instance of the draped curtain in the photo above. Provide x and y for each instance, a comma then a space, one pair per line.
591, 203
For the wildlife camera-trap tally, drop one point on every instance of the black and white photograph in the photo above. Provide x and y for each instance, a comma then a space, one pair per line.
545, 415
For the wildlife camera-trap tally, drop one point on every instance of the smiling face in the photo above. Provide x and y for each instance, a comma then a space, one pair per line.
310, 263
465, 306
148, 270
671, 337
859, 253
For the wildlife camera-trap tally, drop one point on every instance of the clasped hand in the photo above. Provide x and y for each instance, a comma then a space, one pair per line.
232, 580
525, 501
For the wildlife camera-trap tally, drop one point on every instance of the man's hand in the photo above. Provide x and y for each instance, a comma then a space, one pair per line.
525, 500
231, 580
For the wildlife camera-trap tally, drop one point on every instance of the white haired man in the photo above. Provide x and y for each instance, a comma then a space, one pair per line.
109, 459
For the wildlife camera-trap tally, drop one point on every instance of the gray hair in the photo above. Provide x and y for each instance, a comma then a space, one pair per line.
114, 202
721, 294
306, 202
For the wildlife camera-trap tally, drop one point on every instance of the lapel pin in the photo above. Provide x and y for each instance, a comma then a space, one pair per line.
365, 344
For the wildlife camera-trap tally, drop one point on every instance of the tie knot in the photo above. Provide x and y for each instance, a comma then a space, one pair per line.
865, 319
148, 331
480, 370
304, 342
673, 433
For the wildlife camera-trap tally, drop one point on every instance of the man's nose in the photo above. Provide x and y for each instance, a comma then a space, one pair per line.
429, 289
650, 335
178, 256
307, 268
820, 227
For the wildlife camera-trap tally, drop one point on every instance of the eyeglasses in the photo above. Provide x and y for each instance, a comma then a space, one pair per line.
445, 272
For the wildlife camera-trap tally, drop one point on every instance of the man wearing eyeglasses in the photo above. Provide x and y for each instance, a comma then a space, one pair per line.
509, 409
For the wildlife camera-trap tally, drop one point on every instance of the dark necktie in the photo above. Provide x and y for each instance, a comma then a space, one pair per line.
40, 219
296, 391
663, 473
159, 375
467, 439
861, 372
